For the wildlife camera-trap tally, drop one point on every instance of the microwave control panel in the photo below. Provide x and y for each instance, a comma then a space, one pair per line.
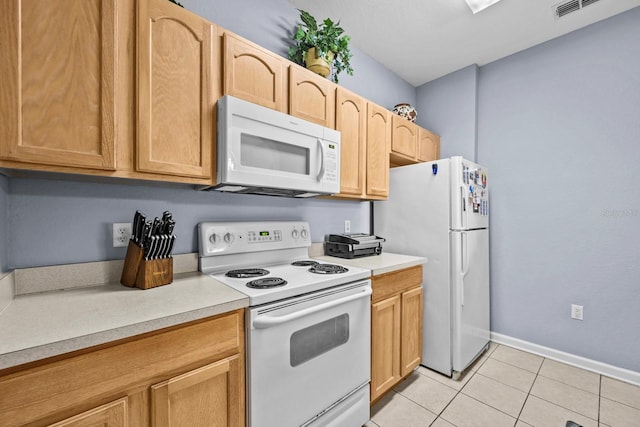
331, 162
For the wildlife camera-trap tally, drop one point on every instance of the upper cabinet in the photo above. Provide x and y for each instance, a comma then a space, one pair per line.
404, 141
311, 96
253, 73
428, 146
176, 71
378, 145
412, 144
365, 130
58, 82
129, 89
351, 121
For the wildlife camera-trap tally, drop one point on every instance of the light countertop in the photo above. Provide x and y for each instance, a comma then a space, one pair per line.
41, 325
378, 264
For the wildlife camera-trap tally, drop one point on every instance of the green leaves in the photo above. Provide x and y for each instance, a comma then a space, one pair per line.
328, 36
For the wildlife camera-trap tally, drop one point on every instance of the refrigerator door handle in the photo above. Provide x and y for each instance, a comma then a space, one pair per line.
464, 264
463, 207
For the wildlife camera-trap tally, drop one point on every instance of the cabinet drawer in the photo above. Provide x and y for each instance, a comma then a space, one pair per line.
386, 285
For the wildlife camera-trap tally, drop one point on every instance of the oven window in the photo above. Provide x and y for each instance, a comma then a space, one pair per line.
315, 340
265, 153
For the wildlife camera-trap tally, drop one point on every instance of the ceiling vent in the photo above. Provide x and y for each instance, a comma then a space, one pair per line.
570, 6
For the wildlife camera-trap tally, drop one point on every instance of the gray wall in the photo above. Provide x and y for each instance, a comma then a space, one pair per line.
271, 25
4, 212
57, 222
447, 106
559, 129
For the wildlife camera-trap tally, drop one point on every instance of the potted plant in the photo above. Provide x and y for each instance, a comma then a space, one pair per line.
321, 47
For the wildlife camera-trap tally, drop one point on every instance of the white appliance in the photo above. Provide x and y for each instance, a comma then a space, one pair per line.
263, 151
440, 210
307, 329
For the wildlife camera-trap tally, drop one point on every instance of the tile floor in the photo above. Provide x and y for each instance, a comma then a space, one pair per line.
509, 387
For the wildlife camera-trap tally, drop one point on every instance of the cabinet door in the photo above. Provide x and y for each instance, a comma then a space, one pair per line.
385, 345
311, 97
253, 73
112, 414
175, 91
208, 396
428, 146
405, 137
378, 145
411, 333
351, 119
58, 77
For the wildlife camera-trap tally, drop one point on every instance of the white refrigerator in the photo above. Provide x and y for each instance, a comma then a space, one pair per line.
440, 210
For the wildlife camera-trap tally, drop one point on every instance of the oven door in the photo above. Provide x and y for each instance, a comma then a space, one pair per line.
306, 354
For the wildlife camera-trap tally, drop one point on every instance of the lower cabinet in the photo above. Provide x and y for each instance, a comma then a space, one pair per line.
207, 396
114, 414
188, 375
396, 328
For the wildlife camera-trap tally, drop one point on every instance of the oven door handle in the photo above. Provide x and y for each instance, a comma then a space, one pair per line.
264, 322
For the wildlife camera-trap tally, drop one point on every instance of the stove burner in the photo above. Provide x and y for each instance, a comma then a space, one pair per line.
266, 283
328, 269
246, 273
304, 263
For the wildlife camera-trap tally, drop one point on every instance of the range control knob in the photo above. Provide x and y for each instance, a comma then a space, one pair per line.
214, 238
294, 233
304, 233
228, 238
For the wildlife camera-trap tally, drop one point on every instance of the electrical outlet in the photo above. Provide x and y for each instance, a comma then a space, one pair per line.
347, 226
121, 234
577, 311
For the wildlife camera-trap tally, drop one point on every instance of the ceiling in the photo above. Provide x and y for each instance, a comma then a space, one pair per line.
421, 40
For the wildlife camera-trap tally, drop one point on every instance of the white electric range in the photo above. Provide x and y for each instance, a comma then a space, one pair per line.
308, 323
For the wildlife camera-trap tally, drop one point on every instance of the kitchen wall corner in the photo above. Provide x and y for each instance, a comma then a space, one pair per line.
448, 107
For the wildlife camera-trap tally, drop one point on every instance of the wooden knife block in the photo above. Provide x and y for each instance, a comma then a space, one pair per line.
145, 274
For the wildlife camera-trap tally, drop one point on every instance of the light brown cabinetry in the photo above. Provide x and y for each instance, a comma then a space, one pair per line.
428, 146
365, 130
114, 414
176, 74
351, 121
311, 97
404, 141
396, 328
194, 372
253, 73
207, 396
378, 145
58, 80
412, 144
108, 88
411, 339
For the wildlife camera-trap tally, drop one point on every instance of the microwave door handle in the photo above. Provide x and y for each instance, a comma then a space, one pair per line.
321, 173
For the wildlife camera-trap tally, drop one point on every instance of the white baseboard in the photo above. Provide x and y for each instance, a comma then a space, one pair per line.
622, 374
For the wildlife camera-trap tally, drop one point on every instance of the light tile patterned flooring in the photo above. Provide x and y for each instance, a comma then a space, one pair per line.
509, 387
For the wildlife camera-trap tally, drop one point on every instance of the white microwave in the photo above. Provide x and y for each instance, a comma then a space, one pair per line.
262, 151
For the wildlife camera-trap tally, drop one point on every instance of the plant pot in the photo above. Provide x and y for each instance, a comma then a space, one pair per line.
319, 65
